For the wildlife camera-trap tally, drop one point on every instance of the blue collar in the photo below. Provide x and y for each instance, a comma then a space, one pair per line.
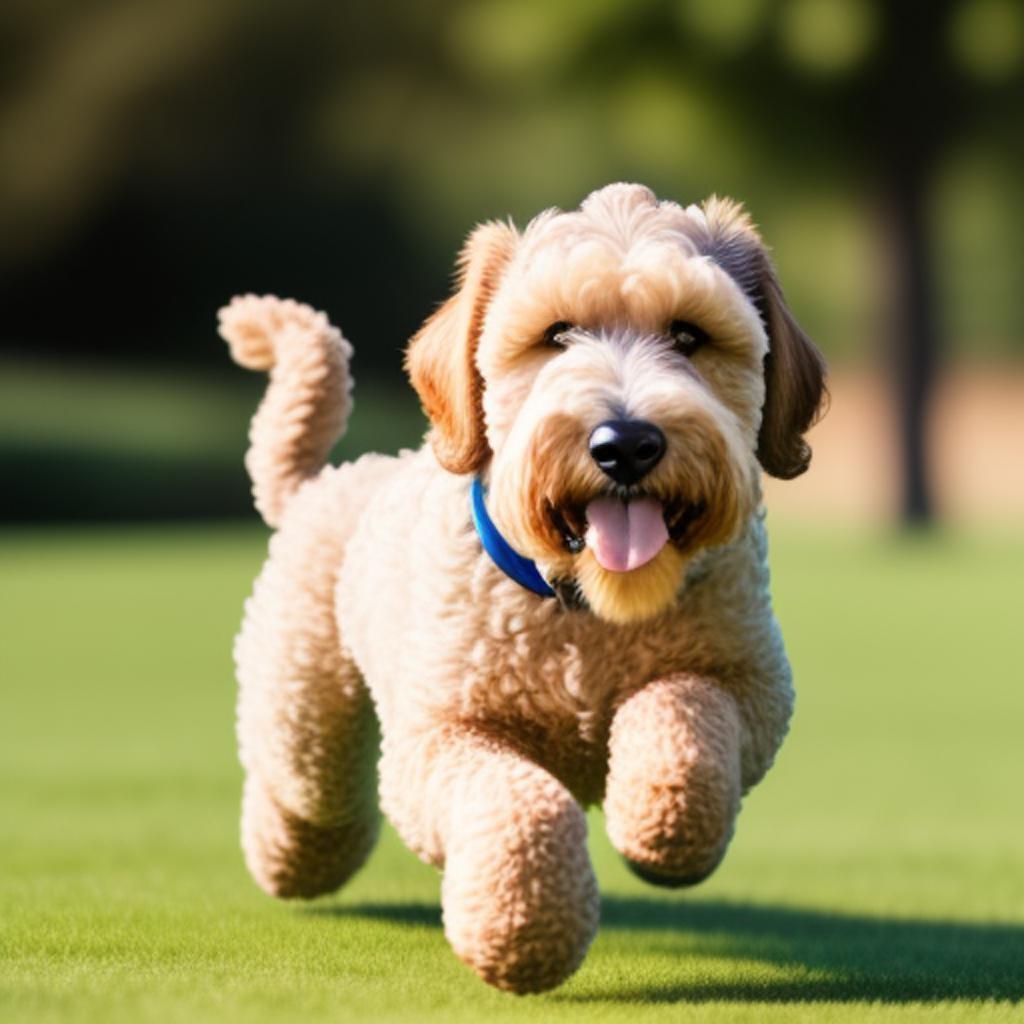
509, 561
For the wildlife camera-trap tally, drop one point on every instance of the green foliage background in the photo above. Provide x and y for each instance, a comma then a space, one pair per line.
298, 143
156, 158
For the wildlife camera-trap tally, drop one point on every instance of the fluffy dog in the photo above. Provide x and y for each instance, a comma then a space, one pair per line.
604, 389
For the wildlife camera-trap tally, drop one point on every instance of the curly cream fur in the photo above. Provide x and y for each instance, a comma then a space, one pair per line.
306, 407
502, 714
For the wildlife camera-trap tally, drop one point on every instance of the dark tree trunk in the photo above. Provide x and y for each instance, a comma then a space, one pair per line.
914, 110
914, 341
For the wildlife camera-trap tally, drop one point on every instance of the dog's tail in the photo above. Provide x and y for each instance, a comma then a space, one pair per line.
307, 403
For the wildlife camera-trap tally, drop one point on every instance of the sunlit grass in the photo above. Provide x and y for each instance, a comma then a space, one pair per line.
878, 872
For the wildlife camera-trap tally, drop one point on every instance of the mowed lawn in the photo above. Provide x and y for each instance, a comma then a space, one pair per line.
877, 874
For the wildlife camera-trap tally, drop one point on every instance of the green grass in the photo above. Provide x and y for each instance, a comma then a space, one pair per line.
878, 873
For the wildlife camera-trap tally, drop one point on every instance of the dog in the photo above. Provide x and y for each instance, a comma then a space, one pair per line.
560, 600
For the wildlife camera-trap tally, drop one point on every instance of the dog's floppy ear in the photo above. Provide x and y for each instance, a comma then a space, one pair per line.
794, 377
794, 370
441, 358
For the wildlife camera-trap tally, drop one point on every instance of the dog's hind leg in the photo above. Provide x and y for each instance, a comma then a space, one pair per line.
306, 727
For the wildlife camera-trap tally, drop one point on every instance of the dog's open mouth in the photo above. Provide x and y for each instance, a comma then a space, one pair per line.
625, 533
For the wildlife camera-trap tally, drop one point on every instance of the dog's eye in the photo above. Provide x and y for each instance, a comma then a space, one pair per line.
687, 337
554, 336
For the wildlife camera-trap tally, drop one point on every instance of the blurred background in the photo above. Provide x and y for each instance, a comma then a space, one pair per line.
158, 157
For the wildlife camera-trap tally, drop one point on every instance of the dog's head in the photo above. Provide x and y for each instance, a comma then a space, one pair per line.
619, 373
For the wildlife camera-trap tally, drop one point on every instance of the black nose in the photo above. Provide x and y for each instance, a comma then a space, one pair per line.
627, 450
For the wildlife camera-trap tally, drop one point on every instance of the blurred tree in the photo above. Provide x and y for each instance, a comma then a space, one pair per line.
170, 152
157, 157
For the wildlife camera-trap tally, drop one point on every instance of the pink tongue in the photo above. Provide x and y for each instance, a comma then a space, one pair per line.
623, 535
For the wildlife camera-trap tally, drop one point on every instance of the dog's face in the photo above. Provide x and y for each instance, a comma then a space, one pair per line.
620, 373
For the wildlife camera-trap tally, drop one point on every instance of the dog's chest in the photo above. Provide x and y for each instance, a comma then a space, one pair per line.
550, 681
440, 634
544, 671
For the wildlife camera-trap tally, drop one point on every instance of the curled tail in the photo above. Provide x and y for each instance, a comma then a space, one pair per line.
307, 403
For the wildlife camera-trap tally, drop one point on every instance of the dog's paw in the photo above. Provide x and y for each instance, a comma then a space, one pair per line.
253, 326
667, 881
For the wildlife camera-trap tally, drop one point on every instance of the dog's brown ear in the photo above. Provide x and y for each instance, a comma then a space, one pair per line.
794, 378
441, 358
794, 369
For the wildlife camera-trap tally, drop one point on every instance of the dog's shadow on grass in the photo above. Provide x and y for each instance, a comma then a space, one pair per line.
837, 957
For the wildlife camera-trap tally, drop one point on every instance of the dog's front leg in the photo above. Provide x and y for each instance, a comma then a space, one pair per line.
674, 786
519, 896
